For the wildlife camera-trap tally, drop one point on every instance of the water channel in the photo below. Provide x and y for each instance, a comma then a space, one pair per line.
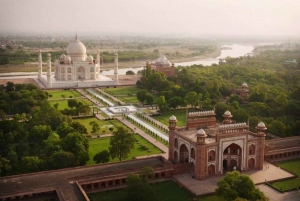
230, 51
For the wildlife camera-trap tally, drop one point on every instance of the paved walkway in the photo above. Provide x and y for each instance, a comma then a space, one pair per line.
94, 100
148, 137
110, 96
274, 195
155, 121
200, 187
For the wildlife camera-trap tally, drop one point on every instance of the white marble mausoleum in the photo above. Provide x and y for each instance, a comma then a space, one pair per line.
75, 69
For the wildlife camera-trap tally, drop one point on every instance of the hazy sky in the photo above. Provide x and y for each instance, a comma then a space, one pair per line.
247, 17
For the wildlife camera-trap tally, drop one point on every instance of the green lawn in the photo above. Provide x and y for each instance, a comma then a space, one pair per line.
62, 104
100, 144
131, 99
58, 93
104, 125
122, 90
166, 191
292, 166
179, 114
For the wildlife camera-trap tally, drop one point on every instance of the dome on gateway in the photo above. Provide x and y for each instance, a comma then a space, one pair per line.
201, 132
173, 118
261, 125
227, 113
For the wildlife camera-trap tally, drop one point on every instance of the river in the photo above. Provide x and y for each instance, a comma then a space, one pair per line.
231, 51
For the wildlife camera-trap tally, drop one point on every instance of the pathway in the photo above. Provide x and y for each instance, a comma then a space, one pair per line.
148, 137
100, 97
147, 126
155, 121
206, 186
93, 100
111, 97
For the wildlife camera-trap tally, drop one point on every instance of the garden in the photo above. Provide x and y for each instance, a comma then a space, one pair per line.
167, 191
104, 125
179, 114
293, 167
141, 148
58, 94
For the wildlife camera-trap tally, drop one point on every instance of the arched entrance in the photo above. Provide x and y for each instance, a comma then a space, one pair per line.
211, 170
251, 163
193, 169
232, 157
80, 73
184, 154
175, 156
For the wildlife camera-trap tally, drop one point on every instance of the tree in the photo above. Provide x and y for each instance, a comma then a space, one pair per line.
79, 127
78, 145
121, 143
141, 95
130, 72
149, 99
192, 98
101, 157
235, 185
73, 103
139, 189
32, 164
95, 127
161, 102
62, 159
175, 102
146, 173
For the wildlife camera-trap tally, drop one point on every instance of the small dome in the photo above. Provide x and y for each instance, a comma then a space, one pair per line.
116, 54
62, 56
261, 125
244, 84
227, 113
90, 58
201, 132
67, 59
162, 60
173, 118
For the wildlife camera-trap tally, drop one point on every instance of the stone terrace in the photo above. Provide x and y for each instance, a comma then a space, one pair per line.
62, 181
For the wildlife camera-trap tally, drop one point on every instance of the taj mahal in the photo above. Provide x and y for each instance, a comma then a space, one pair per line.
75, 69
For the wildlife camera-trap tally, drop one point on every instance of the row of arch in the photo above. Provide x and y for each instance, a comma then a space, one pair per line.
232, 149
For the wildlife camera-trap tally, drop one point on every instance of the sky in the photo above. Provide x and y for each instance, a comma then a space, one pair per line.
228, 17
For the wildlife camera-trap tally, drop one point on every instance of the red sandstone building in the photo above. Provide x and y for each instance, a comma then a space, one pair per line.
242, 91
163, 65
215, 148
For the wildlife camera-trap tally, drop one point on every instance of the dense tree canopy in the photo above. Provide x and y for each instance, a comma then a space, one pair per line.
41, 139
235, 185
273, 85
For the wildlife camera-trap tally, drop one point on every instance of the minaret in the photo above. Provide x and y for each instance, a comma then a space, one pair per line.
172, 129
49, 83
200, 167
40, 67
116, 78
261, 129
98, 61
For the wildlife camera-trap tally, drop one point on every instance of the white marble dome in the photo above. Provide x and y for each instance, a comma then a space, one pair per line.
173, 118
244, 84
90, 58
201, 132
77, 50
67, 59
261, 125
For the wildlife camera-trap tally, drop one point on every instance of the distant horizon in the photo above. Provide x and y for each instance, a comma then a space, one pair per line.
241, 18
